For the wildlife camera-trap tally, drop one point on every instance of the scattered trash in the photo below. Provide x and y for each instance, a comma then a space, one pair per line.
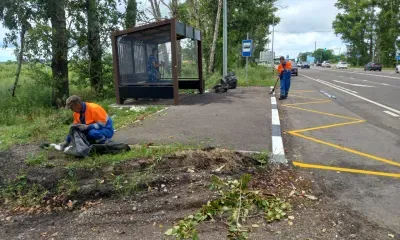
8, 218
291, 217
324, 230
190, 170
229, 82
137, 109
353, 235
219, 169
390, 235
292, 193
311, 197
290, 223
255, 225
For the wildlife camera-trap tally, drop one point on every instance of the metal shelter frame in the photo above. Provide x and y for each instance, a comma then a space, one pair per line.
152, 34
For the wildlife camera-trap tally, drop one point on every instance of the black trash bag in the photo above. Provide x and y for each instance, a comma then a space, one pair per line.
79, 146
110, 147
220, 88
231, 80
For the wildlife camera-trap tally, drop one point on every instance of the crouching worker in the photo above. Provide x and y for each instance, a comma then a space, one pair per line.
91, 119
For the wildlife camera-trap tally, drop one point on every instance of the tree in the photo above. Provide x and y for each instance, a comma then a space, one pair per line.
59, 44
16, 15
130, 13
214, 43
323, 54
94, 45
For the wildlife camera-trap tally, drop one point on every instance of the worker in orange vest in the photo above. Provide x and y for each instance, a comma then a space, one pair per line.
91, 119
285, 74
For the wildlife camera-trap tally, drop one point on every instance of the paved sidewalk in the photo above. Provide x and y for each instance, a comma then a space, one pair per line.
239, 119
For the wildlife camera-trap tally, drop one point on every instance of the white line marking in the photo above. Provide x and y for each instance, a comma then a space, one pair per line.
277, 146
341, 76
390, 113
273, 100
385, 84
367, 74
351, 78
275, 117
355, 95
331, 84
353, 84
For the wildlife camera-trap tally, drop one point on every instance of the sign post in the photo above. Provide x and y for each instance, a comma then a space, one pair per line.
247, 50
358, 58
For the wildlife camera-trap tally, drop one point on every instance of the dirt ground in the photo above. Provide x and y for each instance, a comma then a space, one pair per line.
178, 186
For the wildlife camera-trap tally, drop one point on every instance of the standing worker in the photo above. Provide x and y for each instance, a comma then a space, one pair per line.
285, 73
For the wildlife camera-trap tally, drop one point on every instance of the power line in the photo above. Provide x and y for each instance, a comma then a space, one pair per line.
304, 31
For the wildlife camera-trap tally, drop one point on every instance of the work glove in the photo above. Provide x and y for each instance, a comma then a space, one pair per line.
64, 145
83, 127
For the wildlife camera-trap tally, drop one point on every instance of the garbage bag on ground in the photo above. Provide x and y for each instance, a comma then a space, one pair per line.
228, 82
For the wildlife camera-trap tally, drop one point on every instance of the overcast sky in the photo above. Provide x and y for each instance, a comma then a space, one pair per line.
300, 26
297, 31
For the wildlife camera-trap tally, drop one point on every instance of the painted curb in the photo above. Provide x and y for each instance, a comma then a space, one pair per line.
278, 151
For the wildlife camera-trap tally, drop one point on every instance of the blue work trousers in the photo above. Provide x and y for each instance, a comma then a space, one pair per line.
99, 136
285, 82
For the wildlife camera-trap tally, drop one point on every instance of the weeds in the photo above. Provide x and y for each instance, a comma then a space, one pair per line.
235, 204
21, 193
34, 160
262, 158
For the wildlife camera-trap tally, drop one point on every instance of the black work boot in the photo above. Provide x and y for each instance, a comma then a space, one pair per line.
282, 98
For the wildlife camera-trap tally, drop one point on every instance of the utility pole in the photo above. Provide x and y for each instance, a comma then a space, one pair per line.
225, 40
247, 59
272, 45
315, 49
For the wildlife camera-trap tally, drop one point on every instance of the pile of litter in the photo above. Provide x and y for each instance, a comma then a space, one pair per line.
228, 82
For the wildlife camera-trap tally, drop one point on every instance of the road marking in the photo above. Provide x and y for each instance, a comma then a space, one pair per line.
278, 152
352, 84
324, 113
351, 78
275, 117
355, 95
326, 126
331, 84
366, 74
390, 113
385, 84
350, 170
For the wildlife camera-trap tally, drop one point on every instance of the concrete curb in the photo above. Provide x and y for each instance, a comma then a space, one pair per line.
278, 151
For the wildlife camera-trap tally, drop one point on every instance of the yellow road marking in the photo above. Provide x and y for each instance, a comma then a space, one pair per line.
294, 104
307, 97
306, 165
326, 126
346, 149
324, 113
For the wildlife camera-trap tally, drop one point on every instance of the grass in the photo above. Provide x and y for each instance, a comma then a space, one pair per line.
139, 152
29, 117
37, 159
258, 76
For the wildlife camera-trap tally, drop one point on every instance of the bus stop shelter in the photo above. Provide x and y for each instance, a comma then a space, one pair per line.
135, 50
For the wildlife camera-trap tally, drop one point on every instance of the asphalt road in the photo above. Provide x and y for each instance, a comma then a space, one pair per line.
344, 127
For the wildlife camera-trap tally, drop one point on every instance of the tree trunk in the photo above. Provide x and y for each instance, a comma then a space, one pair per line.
59, 62
155, 8
20, 58
94, 46
130, 14
214, 42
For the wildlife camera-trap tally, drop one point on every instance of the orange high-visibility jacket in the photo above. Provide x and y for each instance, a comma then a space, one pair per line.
95, 115
288, 66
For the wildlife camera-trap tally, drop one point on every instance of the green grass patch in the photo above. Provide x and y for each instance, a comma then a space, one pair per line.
258, 76
137, 152
34, 160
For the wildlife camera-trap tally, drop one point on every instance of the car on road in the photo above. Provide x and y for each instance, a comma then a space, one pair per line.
373, 66
295, 69
299, 64
319, 64
341, 65
398, 69
326, 64
305, 65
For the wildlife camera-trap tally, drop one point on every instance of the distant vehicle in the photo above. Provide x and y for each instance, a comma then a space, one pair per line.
319, 64
398, 69
341, 65
305, 65
299, 64
294, 69
373, 66
326, 64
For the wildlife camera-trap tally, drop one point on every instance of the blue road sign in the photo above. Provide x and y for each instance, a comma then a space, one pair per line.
398, 58
247, 48
358, 55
